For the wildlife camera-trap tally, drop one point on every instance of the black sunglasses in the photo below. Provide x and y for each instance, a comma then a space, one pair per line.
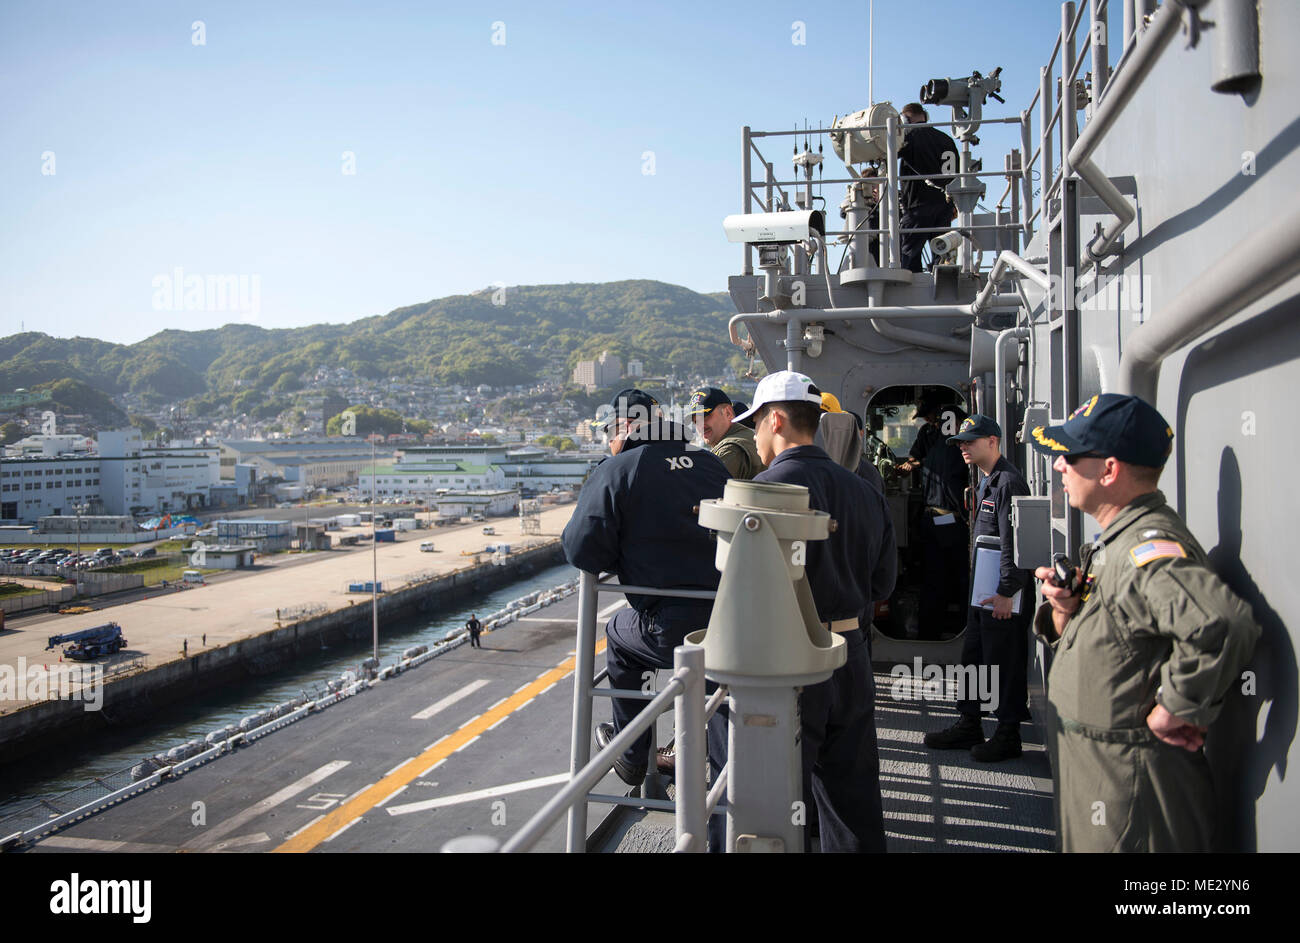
1071, 459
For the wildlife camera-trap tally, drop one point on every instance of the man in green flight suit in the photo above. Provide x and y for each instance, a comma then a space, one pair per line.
714, 416
1147, 644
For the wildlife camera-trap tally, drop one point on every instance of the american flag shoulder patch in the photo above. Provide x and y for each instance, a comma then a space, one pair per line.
1143, 554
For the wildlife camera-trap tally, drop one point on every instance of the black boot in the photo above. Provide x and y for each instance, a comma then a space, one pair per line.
1003, 745
962, 735
632, 775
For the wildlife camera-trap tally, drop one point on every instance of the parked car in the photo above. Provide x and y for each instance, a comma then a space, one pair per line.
147, 552
192, 576
427, 546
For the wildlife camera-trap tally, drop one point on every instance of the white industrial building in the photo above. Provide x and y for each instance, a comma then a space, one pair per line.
487, 503
50, 446
421, 472
138, 478
313, 463
32, 488
222, 556
266, 536
56, 474
538, 470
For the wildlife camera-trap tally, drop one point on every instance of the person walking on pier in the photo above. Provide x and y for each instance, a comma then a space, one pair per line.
475, 627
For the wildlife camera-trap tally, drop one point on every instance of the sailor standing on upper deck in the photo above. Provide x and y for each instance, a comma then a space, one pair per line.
1146, 648
923, 204
997, 638
854, 567
714, 415
942, 534
635, 518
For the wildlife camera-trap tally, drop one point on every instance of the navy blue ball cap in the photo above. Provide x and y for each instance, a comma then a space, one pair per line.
627, 404
1109, 424
975, 427
706, 399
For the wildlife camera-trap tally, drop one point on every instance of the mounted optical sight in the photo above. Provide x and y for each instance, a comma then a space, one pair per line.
960, 91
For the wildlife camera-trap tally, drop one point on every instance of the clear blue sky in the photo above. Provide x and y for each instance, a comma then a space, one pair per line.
475, 163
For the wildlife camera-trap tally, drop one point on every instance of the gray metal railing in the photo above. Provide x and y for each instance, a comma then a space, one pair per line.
886, 210
1062, 144
684, 692
585, 690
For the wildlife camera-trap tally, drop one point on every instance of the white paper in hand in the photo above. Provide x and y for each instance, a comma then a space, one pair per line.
988, 573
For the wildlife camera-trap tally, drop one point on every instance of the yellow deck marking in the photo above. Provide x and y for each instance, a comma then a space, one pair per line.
408, 772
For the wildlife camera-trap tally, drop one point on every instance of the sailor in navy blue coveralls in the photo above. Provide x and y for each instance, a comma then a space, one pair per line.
995, 640
992, 641
635, 518
847, 572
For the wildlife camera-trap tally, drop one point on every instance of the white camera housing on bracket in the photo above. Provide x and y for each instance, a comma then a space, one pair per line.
947, 243
774, 228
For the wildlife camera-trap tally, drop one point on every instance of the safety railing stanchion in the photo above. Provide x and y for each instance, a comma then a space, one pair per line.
691, 748
891, 148
583, 671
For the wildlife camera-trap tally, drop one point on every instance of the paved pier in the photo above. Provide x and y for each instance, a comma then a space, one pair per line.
240, 604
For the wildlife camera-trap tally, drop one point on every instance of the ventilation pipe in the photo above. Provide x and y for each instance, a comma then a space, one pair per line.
1246, 273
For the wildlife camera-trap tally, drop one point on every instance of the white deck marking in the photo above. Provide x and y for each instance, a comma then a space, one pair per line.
449, 700
357, 793
207, 839
242, 840
307, 826
612, 607
433, 767
395, 768
491, 793
100, 844
393, 795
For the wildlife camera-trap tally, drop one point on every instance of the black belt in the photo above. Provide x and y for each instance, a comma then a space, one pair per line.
1141, 734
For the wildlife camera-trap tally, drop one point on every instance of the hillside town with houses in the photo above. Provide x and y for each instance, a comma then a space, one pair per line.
520, 440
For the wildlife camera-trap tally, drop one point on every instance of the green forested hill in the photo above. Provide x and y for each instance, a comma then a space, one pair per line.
461, 339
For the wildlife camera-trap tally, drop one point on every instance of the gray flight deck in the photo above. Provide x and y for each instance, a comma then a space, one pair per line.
288, 791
